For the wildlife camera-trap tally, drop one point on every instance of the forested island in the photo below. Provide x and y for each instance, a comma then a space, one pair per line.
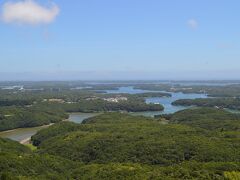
230, 103
231, 90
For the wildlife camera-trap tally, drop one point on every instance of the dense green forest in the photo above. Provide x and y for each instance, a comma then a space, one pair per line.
197, 143
19, 117
34, 108
120, 146
49, 102
208, 118
230, 103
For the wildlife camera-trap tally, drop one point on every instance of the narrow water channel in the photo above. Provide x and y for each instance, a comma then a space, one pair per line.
24, 133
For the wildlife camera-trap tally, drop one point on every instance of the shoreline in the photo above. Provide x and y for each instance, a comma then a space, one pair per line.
26, 140
8, 131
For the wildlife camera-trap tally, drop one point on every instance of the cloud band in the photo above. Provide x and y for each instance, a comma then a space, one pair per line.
28, 12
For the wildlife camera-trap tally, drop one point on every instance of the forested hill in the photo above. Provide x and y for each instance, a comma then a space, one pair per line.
195, 144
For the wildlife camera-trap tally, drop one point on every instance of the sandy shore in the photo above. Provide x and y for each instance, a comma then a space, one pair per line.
28, 139
25, 141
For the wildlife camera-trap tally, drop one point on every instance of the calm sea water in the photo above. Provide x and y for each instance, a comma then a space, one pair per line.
165, 101
129, 90
79, 117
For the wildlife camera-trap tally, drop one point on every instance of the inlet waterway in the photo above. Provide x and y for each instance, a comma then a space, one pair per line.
24, 133
165, 101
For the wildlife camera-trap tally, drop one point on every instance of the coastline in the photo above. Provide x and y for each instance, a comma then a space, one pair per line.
32, 130
26, 140
8, 131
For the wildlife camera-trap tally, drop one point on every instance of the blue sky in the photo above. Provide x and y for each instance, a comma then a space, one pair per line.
127, 39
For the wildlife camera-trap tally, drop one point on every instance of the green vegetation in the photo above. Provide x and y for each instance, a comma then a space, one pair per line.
32, 147
12, 147
230, 103
20, 109
232, 175
48, 102
209, 118
196, 144
34, 166
19, 117
7, 102
101, 105
46, 113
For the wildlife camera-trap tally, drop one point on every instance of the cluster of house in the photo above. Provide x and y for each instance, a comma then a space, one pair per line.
115, 99
54, 100
110, 99
177, 89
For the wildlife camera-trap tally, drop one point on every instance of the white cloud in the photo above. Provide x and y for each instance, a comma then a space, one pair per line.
28, 12
192, 23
